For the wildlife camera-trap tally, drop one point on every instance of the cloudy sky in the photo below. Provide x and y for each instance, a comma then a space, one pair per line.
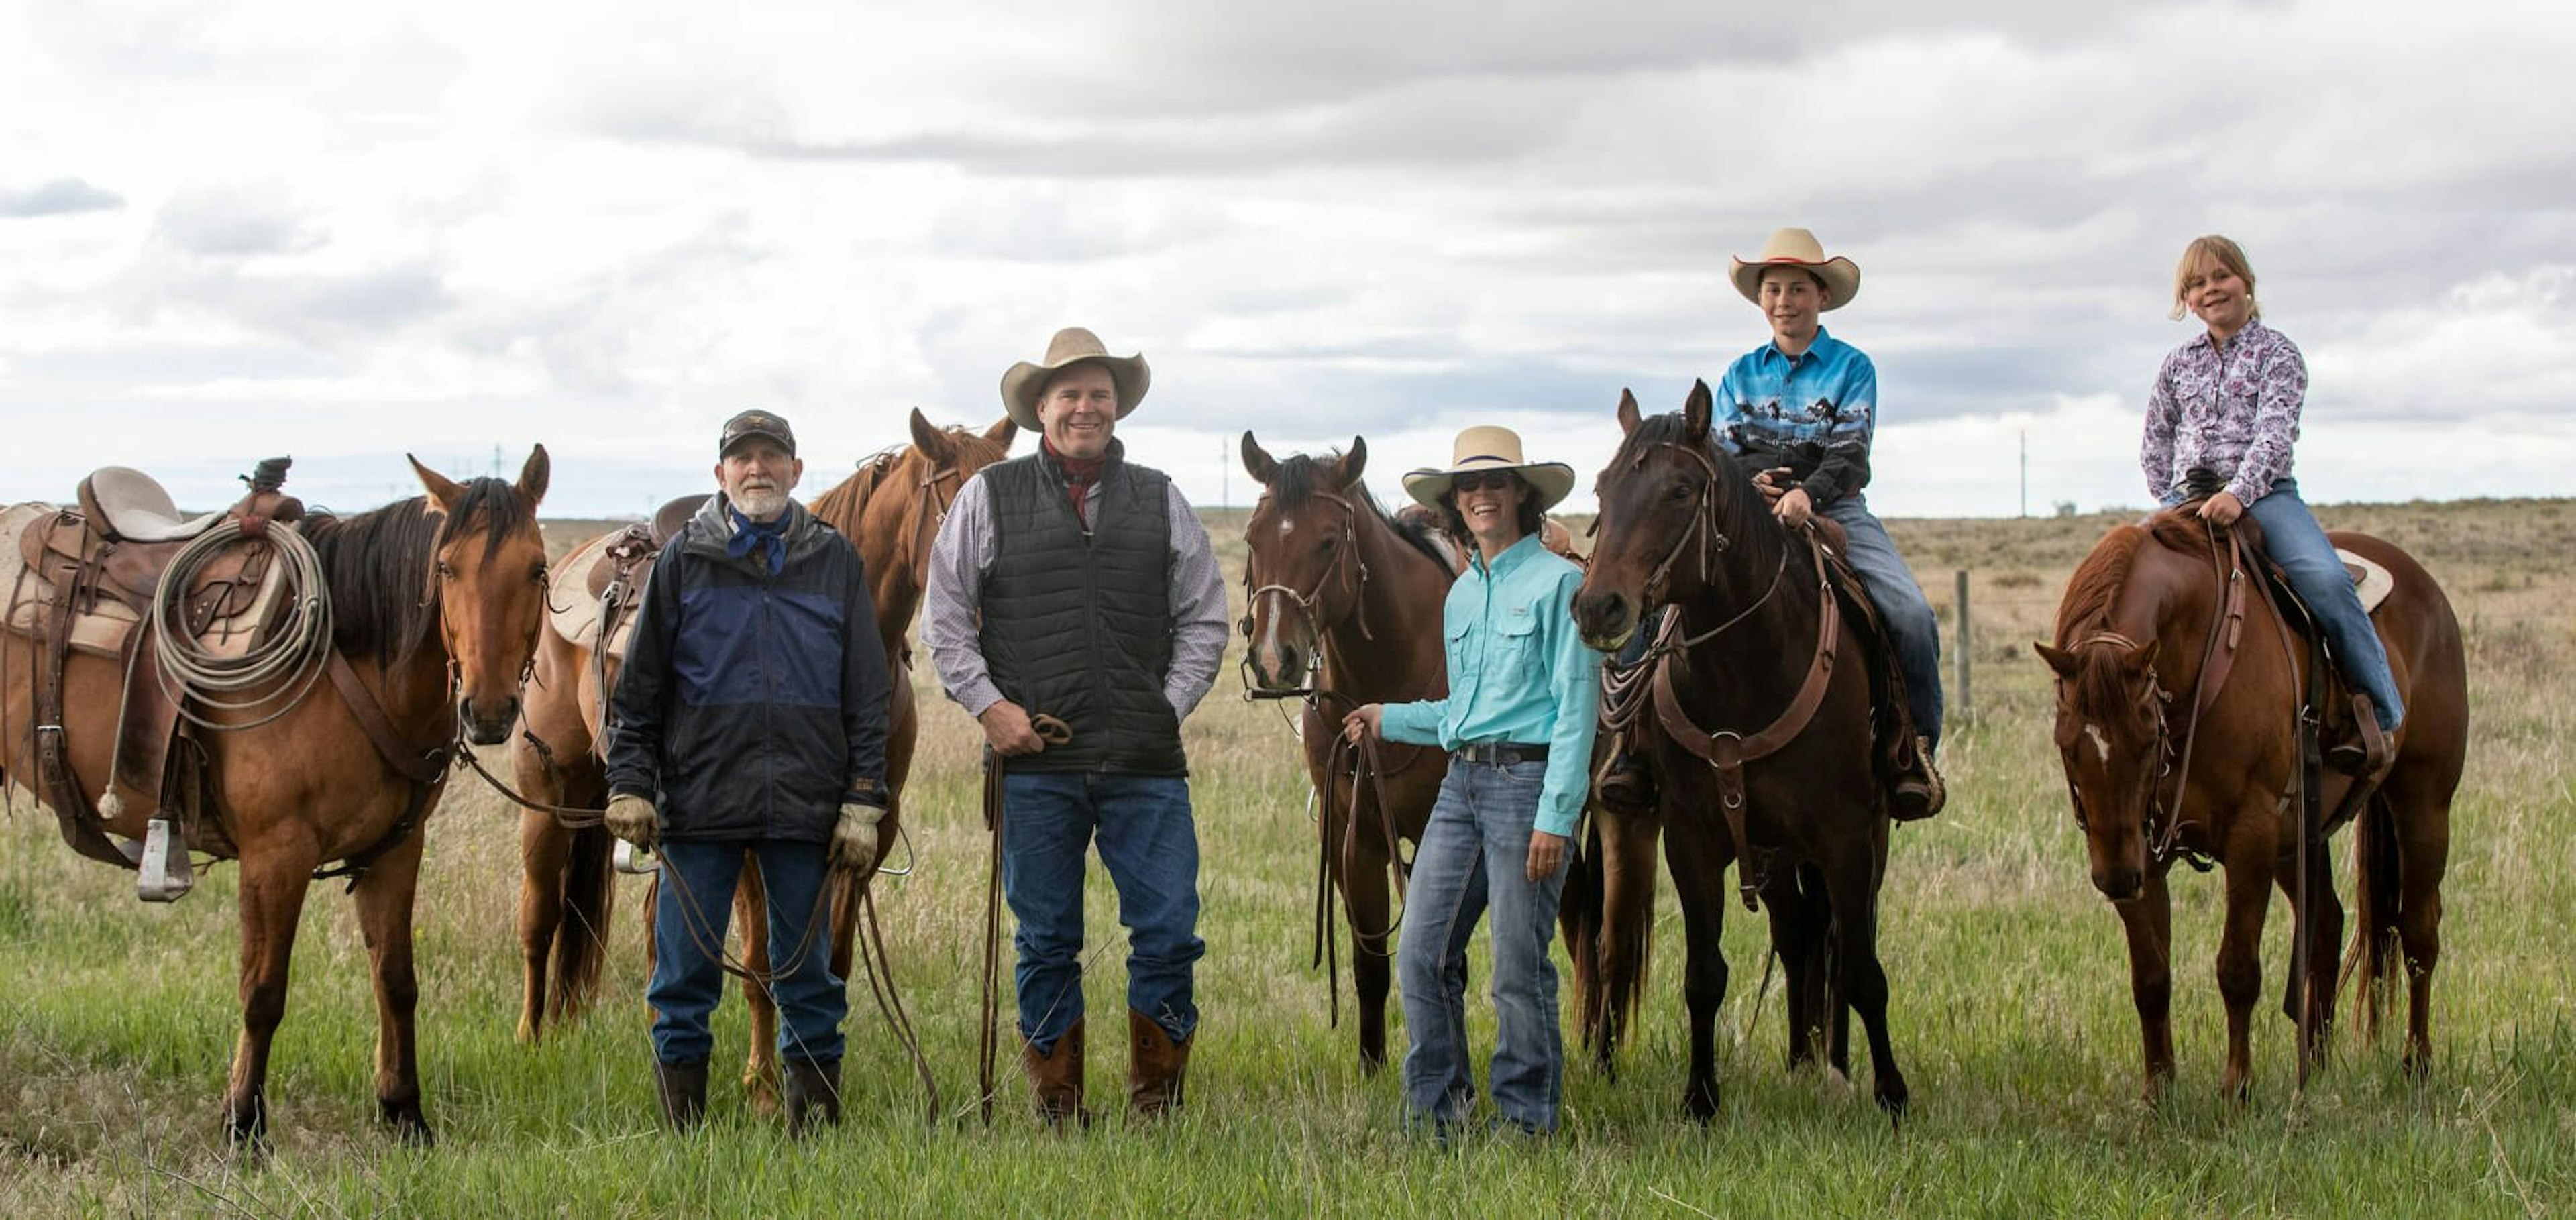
343, 231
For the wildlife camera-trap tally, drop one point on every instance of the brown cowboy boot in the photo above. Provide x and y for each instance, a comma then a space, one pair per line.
1919, 792
1057, 1078
683, 1090
813, 1095
1156, 1066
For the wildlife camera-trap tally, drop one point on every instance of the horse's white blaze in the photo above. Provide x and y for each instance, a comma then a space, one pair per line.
2101, 744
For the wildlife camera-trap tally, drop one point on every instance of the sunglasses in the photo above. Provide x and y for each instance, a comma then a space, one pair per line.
1482, 480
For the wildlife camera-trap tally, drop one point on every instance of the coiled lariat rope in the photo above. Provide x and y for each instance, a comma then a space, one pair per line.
284, 665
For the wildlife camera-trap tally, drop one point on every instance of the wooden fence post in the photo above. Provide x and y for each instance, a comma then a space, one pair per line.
1958, 703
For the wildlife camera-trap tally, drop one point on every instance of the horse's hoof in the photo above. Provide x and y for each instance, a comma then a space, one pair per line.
407, 1122
1892, 1097
1701, 1101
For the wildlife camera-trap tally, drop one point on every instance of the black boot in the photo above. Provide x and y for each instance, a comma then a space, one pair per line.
1919, 792
683, 1087
813, 1094
2365, 752
1628, 783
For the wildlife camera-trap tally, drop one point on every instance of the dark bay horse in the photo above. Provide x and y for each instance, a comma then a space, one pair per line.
2138, 629
434, 605
1763, 740
1343, 606
890, 508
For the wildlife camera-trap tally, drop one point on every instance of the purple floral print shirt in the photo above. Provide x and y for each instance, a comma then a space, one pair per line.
2234, 411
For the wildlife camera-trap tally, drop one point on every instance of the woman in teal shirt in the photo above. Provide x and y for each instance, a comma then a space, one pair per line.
1523, 692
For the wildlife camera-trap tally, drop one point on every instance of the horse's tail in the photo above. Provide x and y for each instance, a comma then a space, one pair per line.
1578, 913
581, 941
2374, 952
1619, 925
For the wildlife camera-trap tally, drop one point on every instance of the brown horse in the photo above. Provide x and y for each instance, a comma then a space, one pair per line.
1764, 743
890, 508
1342, 606
434, 607
2138, 626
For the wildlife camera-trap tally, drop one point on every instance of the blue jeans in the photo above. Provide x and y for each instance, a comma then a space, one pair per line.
1150, 845
2294, 540
697, 901
1475, 854
1910, 624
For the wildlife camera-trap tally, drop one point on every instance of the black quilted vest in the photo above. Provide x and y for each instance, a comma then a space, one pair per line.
1079, 625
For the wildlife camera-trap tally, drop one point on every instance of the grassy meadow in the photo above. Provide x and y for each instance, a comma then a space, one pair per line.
2011, 1007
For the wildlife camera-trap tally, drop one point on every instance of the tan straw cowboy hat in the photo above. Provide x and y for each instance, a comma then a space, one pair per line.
1487, 447
1799, 248
1072, 345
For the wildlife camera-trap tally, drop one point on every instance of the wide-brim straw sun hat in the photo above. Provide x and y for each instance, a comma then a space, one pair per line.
1072, 345
1799, 248
1490, 447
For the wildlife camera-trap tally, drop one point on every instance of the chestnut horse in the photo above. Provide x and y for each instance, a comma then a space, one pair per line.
2139, 625
434, 605
1342, 606
1798, 804
890, 508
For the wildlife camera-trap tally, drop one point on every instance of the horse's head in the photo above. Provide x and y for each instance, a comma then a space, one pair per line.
1669, 503
941, 461
488, 576
1303, 573
2112, 738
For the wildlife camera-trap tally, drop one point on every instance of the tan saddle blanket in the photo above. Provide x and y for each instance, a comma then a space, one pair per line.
232, 600
602, 582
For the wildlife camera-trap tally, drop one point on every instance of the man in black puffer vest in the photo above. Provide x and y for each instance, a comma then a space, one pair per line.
750, 716
1075, 585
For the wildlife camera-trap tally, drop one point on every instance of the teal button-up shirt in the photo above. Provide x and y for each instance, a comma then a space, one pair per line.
1518, 673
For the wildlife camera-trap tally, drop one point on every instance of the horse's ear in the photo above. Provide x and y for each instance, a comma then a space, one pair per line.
2058, 659
442, 490
534, 476
1629, 416
1001, 433
1353, 462
1696, 412
1257, 461
932, 443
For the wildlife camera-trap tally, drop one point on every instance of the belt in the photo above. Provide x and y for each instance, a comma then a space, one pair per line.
1499, 753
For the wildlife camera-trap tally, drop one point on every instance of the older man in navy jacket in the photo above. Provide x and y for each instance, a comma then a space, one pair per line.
751, 717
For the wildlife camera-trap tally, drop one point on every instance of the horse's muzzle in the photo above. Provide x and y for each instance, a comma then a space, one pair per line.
2119, 883
1604, 620
487, 724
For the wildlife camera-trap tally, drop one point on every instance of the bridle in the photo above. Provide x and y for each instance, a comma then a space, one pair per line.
1703, 526
1346, 564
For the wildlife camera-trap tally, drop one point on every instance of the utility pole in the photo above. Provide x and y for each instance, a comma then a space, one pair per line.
2025, 472
1225, 476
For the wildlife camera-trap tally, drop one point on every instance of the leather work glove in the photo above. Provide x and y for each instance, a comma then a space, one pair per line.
632, 818
854, 840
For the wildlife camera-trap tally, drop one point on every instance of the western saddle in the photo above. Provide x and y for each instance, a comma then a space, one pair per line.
85, 581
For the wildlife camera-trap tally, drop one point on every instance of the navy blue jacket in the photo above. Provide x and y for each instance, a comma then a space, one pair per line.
752, 706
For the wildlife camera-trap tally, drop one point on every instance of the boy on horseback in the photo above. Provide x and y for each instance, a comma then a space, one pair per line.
1804, 408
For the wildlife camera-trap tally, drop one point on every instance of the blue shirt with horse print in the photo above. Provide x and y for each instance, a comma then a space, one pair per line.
1518, 673
1814, 413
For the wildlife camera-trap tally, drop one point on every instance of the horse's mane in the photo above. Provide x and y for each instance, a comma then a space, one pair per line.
2094, 591
1297, 481
384, 599
847, 501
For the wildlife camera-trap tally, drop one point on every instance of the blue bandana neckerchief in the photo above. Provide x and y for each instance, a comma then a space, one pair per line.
748, 533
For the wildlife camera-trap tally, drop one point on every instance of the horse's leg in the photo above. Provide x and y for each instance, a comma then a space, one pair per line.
2422, 812
1367, 902
2325, 940
384, 898
544, 848
275, 870
2148, 922
1799, 918
760, 1060
1697, 854
2240, 953
1852, 885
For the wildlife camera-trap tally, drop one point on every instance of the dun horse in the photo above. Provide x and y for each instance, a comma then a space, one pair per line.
1764, 743
1342, 606
2149, 616
434, 606
890, 508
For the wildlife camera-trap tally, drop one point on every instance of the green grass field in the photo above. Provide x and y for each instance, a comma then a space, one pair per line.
2011, 1009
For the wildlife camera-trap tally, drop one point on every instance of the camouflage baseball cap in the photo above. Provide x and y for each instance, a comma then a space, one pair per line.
757, 423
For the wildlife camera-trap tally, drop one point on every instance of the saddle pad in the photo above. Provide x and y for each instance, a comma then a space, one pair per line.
28, 600
2370, 581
